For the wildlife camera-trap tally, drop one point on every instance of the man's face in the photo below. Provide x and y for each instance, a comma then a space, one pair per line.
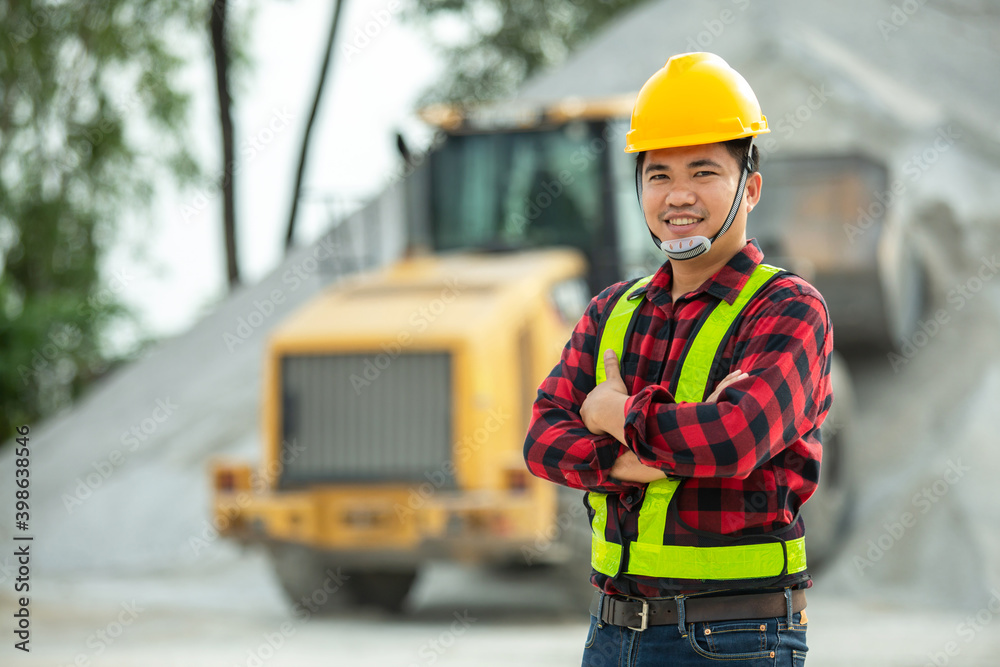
689, 191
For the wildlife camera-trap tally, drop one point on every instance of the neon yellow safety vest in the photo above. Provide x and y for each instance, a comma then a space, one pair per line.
648, 556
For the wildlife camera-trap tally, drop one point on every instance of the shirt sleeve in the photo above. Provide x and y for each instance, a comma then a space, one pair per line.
786, 350
558, 446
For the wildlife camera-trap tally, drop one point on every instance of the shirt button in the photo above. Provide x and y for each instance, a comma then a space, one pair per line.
628, 498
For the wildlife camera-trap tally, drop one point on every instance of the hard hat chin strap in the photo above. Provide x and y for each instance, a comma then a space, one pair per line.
693, 246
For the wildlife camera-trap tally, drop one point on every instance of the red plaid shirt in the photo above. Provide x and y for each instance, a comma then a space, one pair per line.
750, 460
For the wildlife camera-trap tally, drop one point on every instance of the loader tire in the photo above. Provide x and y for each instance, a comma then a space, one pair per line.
829, 512
383, 589
909, 301
308, 578
312, 579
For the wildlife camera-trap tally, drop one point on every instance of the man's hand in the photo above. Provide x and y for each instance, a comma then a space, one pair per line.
628, 468
735, 376
603, 411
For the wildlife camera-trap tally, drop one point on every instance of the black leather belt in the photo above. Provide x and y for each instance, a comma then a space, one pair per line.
639, 613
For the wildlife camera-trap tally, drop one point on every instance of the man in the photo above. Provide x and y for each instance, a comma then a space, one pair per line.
699, 449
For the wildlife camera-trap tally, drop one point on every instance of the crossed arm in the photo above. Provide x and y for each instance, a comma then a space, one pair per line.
603, 412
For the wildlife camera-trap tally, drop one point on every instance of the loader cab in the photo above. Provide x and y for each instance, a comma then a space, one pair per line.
552, 184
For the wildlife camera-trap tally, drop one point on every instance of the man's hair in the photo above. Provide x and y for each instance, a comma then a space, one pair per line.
738, 149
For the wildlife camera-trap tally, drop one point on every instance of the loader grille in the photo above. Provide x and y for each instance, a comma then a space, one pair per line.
366, 417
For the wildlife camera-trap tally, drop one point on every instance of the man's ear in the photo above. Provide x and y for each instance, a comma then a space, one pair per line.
754, 184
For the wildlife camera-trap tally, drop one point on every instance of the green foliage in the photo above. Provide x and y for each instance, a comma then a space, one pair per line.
74, 76
507, 41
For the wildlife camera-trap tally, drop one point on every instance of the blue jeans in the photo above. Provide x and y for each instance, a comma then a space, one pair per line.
748, 643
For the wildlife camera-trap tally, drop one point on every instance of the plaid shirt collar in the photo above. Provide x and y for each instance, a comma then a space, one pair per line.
725, 285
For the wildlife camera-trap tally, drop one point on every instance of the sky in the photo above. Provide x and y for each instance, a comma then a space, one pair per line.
168, 263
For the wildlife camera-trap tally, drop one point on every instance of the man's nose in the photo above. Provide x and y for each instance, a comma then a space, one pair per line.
680, 196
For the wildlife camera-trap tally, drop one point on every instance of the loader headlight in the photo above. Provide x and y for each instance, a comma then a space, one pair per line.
570, 298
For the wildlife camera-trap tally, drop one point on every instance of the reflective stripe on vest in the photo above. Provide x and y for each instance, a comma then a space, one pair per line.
616, 327
648, 556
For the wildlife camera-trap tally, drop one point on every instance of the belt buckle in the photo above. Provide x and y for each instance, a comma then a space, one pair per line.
644, 616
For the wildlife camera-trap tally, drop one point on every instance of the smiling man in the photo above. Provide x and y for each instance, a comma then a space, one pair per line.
688, 404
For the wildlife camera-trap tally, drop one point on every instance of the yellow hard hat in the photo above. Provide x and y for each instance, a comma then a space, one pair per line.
696, 98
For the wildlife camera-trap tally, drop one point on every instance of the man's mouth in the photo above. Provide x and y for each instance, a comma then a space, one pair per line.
683, 225
683, 222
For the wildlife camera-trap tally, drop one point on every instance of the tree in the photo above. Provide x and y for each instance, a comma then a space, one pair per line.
72, 74
220, 50
307, 136
508, 40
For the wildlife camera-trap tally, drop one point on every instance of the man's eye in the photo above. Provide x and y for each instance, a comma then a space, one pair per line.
704, 173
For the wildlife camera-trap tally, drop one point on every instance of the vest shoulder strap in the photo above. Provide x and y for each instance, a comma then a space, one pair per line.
692, 386
615, 327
